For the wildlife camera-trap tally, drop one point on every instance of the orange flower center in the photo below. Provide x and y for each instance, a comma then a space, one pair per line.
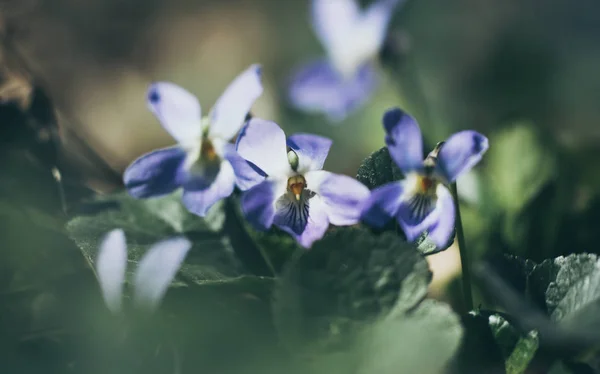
296, 185
426, 185
208, 150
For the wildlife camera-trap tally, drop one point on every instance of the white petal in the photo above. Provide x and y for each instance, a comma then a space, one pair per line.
157, 269
229, 112
333, 21
111, 263
177, 110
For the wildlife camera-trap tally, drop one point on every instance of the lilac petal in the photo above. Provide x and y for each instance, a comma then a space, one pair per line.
333, 21
316, 223
258, 203
343, 197
373, 24
110, 268
460, 153
441, 231
156, 271
230, 110
403, 140
156, 173
383, 204
177, 110
263, 143
416, 214
311, 149
247, 175
200, 200
319, 88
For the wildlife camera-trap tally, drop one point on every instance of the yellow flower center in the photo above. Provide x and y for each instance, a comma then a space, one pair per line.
426, 185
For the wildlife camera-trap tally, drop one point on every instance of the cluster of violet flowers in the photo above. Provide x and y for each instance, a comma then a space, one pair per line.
281, 178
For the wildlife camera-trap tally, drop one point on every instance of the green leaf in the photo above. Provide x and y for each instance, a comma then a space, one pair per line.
148, 221
519, 166
348, 278
378, 169
523, 353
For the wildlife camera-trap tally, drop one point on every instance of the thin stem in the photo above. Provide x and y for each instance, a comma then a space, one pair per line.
462, 248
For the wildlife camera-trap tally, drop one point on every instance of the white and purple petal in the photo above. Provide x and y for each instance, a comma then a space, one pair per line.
319, 88
372, 26
315, 224
417, 212
156, 271
440, 232
198, 199
460, 153
111, 264
263, 143
247, 175
383, 204
156, 173
333, 21
342, 197
311, 149
258, 203
403, 139
229, 112
178, 111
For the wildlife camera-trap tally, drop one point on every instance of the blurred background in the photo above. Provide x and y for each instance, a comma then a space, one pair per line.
523, 72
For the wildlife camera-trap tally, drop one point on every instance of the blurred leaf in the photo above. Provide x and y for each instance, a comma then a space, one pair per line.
348, 278
505, 334
148, 221
518, 166
524, 352
395, 344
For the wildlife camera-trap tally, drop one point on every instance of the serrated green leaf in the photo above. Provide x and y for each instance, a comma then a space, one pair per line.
348, 278
148, 221
523, 353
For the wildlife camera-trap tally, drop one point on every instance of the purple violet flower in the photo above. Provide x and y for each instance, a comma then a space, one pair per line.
296, 195
346, 78
203, 163
421, 202
152, 277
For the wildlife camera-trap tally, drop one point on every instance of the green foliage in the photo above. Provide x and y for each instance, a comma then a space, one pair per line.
523, 353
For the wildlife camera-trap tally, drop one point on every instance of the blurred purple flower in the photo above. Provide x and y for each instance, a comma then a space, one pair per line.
421, 202
352, 38
295, 194
154, 273
203, 163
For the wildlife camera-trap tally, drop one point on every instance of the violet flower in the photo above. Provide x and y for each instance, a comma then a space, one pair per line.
296, 195
203, 163
421, 202
152, 277
352, 38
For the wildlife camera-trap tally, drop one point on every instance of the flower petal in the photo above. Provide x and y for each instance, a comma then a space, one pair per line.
372, 27
230, 110
156, 173
316, 223
319, 88
403, 140
110, 267
200, 200
441, 231
383, 204
333, 21
157, 269
263, 143
416, 214
258, 203
247, 175
312, 150
460, 153
343, 197
177, 110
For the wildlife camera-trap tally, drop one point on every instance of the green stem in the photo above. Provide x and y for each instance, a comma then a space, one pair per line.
462, 248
